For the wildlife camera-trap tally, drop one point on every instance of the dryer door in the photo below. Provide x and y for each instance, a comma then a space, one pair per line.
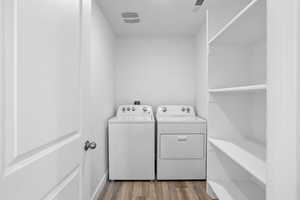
183, 146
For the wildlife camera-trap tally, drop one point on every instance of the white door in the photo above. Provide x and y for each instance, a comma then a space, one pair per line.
41, 142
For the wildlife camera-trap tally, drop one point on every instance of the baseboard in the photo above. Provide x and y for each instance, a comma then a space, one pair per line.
100, 187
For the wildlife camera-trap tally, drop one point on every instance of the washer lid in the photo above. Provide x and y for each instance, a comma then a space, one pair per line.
132, 119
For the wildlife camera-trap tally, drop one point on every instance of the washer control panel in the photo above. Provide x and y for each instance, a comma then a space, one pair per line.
135, 110
175, 110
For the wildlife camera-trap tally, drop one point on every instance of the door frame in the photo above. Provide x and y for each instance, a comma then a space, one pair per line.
84, 93
283, 100
1, 83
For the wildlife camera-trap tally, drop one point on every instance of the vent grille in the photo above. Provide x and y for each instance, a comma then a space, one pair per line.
199, 2
130, 15
132, 21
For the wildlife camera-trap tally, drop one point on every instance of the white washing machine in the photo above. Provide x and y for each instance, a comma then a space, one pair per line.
181, 144
132, 143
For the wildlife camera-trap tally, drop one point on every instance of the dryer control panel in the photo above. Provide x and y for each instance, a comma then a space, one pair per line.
135, 110
175, 110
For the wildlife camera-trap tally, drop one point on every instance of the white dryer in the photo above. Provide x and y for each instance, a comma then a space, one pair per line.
181, 144
132, 143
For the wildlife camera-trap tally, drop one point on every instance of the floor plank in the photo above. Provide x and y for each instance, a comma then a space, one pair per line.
158, 190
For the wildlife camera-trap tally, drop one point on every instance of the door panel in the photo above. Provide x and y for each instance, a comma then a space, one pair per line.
41, 176
51, 30
40, 90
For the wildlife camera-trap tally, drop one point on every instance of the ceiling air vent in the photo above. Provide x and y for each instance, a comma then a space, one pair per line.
199, 2
132, 21
130, 17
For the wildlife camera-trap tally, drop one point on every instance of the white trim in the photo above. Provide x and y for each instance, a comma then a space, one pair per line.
100, 187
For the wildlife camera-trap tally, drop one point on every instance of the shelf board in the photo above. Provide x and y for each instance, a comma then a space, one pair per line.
236, 190
248, 155
247, 26
248, 88
220, 191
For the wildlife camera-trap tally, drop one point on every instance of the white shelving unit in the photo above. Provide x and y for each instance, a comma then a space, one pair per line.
237, 89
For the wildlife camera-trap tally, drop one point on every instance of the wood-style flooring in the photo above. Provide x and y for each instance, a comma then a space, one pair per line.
156, 190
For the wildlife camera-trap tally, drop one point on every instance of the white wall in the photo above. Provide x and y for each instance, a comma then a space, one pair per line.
102, 98
202, 72
155, 70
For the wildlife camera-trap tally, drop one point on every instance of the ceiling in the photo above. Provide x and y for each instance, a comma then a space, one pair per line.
157, 17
